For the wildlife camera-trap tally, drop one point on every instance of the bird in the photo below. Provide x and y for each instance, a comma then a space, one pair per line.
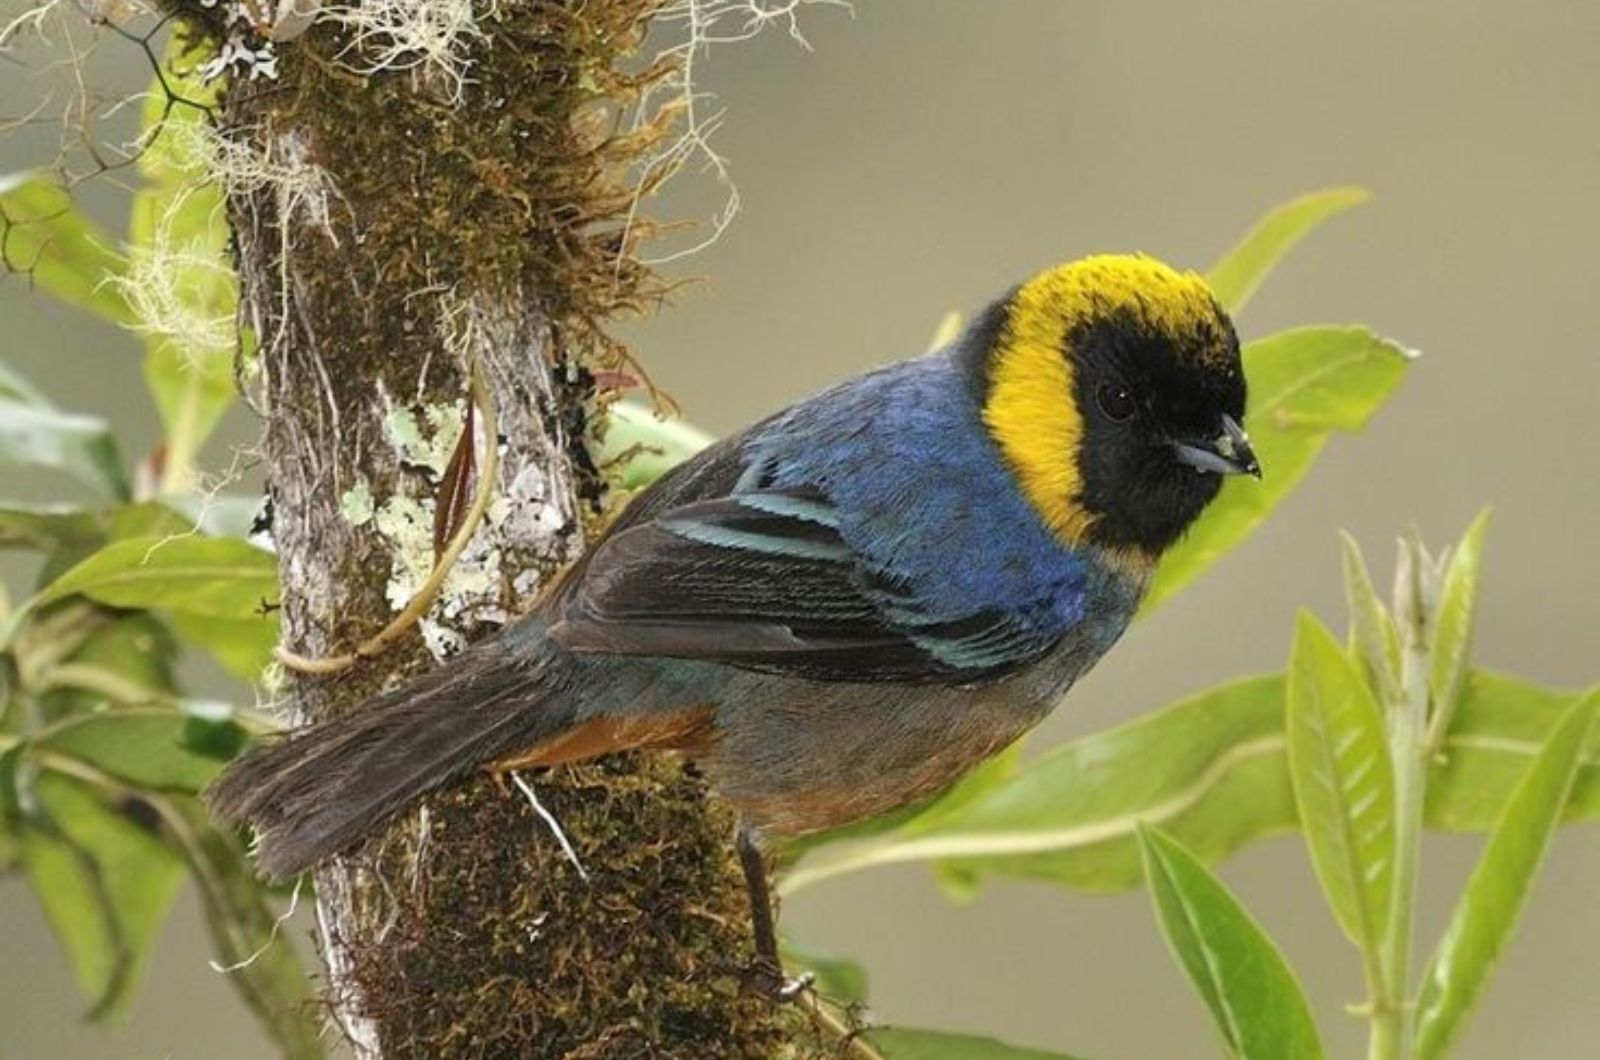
842, 608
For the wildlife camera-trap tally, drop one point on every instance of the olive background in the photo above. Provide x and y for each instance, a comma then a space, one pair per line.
924, 155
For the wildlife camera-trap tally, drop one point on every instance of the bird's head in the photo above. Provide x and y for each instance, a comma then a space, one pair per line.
1112, 386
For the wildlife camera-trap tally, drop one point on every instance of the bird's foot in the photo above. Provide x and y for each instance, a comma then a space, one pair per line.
769, 981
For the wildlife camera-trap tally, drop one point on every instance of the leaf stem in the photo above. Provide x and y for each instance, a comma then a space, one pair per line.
1393, 1018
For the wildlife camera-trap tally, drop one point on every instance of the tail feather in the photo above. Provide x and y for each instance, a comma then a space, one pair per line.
318, 791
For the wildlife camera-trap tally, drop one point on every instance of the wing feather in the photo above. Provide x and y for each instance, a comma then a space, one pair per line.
765, 580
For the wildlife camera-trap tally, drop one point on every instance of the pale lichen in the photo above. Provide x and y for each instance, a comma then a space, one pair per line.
356, 503
249, 51
424, 438
180, 289
434, 37
421, 439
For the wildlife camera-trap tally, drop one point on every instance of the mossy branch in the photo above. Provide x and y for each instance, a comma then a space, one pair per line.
464, 931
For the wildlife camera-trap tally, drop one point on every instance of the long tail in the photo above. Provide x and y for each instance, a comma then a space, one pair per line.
319, 790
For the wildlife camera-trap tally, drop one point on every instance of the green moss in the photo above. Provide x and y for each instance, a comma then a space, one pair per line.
523, 187
503, 951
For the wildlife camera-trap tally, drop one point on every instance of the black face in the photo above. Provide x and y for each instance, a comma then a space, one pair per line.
1141, 393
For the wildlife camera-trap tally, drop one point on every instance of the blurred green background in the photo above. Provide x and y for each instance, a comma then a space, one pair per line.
926, 154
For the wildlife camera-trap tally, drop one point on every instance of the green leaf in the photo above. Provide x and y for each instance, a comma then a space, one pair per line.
106, 883
146, 747
211, 730
1372, 634
195, 576
1212, 770
1343, 784
11, 784
47, 527
192, 387
1487, 913
647, 445
1305, 384
1235, 278
1500, 725
1255, 1002
959, 883
67, 883
243, 646
1452, 633
70, 534
60, 249
904, 1044
146, 519
135, 648
247, 933
80, 445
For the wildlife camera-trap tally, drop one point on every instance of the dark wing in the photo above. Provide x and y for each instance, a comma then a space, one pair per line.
764, 581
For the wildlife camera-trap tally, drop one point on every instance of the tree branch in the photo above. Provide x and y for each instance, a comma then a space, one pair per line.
451, 224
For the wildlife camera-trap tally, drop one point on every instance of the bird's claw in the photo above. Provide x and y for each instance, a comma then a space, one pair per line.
763, 978
793, 986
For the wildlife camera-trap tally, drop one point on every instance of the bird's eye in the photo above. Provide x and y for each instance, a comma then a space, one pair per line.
1116, 402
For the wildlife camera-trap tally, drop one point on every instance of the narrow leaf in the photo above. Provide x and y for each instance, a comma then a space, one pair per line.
106, 882
67, 884
80, 445
247, 933
1255, 1002
1452, 632
197, 576
144, 747
1372, 632
904, 1044
1237, 275
134, 647
1486, 915
10, 846
57, 247
1305, 385
191, 391
456, 485
1343, 783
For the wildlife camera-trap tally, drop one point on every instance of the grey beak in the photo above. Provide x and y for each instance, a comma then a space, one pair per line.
1227, 454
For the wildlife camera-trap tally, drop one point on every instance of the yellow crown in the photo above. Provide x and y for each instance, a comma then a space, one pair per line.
1031, 411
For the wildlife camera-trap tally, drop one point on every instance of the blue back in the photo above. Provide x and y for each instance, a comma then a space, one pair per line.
922, 492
